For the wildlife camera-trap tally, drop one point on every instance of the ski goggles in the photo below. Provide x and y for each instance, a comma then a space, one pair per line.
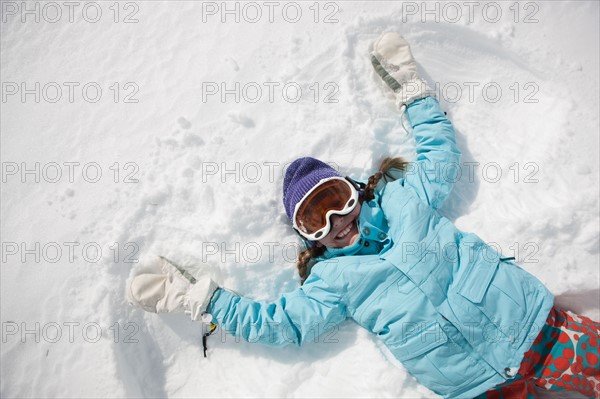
331, 196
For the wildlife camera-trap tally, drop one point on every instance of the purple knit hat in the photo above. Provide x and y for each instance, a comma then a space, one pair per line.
302, 175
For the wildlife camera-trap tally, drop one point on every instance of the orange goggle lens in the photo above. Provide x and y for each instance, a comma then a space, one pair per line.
332, 196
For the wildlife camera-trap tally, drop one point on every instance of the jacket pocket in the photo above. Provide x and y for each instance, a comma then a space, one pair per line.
478, 277
495, 293
434, 359
423, 338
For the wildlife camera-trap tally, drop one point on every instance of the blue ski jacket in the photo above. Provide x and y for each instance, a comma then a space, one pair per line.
455, 313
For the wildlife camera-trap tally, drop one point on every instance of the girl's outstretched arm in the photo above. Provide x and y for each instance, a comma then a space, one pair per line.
435, 170
296, 317
437, 166
162, 286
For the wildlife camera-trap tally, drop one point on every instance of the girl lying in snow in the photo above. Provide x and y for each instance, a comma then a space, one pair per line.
463, 320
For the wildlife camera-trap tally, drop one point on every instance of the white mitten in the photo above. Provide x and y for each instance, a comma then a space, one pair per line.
394, 63
171, 289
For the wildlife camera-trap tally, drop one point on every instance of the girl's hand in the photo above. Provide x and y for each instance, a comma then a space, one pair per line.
394, 63
168, 288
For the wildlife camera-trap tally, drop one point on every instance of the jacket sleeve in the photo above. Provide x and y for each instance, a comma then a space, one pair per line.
437, 165
296, 317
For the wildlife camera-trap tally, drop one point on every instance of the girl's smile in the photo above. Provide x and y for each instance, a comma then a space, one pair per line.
345, 231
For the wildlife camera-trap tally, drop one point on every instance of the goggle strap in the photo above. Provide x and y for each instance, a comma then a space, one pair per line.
360, 187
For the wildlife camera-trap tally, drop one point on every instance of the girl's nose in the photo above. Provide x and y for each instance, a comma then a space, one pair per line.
336, 220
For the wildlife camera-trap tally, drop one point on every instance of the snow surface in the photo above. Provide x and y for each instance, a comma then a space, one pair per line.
67, 330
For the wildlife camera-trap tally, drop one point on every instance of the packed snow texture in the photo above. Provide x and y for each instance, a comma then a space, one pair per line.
165, 128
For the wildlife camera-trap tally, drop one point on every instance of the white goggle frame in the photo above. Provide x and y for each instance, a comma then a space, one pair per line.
322, 232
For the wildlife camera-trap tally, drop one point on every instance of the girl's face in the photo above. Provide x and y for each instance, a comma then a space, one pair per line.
344, 230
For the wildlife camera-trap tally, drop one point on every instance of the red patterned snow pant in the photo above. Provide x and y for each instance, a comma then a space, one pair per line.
564, 356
